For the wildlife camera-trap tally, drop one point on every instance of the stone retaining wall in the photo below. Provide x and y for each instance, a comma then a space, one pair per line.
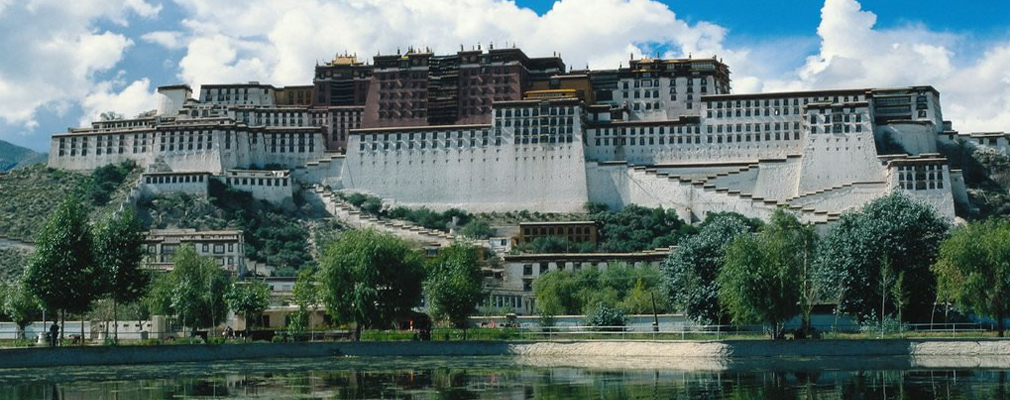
670, 350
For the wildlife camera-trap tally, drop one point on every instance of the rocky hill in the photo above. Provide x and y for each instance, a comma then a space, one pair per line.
13, 156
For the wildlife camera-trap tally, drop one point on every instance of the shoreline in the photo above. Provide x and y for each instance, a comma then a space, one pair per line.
714, 355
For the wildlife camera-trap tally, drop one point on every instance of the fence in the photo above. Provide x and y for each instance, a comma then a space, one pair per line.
526, 333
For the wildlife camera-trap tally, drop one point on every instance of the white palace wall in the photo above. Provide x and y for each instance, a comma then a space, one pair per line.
916, 137
475, 167
187, 146
778, 179
836, 159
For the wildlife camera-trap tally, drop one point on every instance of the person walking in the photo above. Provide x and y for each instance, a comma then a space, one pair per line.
54, 332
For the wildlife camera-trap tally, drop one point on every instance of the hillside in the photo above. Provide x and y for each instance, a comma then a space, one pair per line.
31, 194
12, 263
274, 236
13, 156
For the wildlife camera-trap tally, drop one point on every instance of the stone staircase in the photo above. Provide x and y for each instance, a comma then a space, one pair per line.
350, 215
713, 198
324, 171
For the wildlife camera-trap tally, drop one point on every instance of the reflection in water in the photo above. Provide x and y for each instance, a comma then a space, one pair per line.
496, 378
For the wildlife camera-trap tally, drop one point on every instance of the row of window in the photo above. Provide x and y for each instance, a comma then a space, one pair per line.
528, 122
663, 140
280, 182
662, 130
434, 144
503, 301
768, 127
837, 128
777, 102
533, 112
167, 179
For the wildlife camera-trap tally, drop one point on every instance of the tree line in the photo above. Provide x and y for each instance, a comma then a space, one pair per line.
76, 264
893, 258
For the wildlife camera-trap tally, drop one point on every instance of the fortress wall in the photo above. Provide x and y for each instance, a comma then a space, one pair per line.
742, 181
546, 177
709, 200
69, 156
915, 137
274, 190
836, 159
844, 198
777, 179
736, 147
935, 190
958, 189
940, 199
157, 184
618, 186
325, 172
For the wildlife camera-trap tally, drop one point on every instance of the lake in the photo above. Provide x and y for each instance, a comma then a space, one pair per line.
497, 377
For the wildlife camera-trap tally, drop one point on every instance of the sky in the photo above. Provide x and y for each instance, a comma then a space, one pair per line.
62, 63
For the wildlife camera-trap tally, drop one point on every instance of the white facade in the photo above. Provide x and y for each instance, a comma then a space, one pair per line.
531, 158
813, 152
272, 186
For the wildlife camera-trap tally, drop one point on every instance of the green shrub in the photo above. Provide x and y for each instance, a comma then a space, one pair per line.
606, 316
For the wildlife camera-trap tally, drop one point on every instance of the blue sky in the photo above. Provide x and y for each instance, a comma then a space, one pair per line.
76, 59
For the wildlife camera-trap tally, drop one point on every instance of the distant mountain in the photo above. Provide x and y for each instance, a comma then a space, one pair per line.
14, 156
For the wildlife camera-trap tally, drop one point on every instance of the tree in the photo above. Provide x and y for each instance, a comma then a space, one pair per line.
973, 269
690, 271
455, 284
62, 273
306, 296
119, 251
110, 116
558, 292
905, 231
17, 303
249, 299
370, 278
760, 280
636, 228
606, 316
478, 230
198, 289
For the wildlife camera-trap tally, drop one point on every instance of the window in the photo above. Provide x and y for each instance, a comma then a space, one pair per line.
218, 249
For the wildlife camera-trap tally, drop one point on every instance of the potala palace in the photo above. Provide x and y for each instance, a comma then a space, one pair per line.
496, 130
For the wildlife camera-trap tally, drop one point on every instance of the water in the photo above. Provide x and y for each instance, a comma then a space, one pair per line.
509, 378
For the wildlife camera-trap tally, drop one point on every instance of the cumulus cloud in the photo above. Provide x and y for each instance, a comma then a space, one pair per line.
280, 42
52, 52
172, 40
135, 98
854, 53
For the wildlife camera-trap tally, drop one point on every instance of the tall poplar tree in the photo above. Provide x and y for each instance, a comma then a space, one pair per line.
455, 284
974, 269
119, 251
370, 278
62, 273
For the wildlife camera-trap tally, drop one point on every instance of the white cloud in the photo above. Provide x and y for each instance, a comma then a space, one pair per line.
172, 40
134, 99
975, 92
52, 52
280, 42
